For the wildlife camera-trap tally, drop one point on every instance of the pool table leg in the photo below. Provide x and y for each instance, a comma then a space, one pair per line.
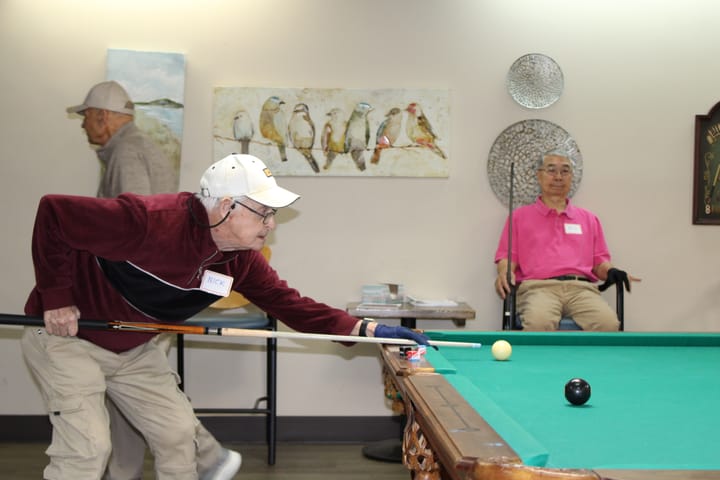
417, 455
390, 450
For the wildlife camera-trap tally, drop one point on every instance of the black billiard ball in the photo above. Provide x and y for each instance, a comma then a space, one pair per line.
577, 391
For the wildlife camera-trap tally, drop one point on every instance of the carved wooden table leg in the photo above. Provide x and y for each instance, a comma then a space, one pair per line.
417, 454
392, 393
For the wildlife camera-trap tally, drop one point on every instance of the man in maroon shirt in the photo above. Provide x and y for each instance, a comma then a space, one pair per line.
143, 259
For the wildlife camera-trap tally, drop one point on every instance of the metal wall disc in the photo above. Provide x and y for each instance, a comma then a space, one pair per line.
535, 81
523, 143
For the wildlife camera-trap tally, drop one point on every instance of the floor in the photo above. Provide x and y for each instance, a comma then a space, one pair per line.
25, 461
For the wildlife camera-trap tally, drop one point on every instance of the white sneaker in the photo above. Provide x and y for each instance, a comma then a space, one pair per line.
226, 467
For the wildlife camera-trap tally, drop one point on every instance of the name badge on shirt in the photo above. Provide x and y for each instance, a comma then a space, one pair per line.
216, 283
573, 229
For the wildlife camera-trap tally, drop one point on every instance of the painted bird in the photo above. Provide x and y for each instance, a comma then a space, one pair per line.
419, 130
243, 130
387, 133
357, 134
333, 136
301, 131
273, 125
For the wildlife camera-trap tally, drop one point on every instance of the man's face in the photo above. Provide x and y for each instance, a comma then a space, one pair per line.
95, 126
250, 224
555, 176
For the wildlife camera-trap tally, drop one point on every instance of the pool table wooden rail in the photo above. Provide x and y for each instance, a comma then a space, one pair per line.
445, 438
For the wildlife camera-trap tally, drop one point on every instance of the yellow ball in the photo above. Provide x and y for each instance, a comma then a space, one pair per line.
501, 350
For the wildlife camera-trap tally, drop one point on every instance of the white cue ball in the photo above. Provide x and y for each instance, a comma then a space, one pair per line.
501, 350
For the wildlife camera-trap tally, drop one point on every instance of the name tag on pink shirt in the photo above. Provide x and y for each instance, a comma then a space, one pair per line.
573, 229
216, 283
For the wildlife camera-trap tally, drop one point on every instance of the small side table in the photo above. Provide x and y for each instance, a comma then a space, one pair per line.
391, 450
409, 313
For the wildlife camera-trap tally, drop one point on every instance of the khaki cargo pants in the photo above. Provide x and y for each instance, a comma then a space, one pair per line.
75, 375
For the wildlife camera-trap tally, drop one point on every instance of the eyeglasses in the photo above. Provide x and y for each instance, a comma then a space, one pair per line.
265, 216
552, 170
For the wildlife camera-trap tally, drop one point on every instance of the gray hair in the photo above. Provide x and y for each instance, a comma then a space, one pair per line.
556, 152
211, 202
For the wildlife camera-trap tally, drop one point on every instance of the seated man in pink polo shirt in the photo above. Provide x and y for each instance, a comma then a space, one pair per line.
558, 253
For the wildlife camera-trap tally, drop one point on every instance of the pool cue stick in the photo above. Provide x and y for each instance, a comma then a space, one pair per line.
243, 332
509, 301
340, 338
31, 321
228, 332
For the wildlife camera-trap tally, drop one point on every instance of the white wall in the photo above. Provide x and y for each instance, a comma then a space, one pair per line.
636, 74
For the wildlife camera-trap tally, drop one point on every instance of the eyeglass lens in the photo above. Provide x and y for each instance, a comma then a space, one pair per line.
563, 171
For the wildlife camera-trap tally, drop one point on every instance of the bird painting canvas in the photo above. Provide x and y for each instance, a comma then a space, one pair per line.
336, 132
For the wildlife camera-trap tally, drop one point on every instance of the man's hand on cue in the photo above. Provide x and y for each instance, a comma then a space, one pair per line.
62, 321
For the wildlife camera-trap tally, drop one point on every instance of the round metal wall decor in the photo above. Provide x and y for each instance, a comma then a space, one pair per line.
523, 143
535, 81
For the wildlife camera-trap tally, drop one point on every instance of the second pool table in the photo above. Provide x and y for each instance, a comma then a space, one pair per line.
654, 412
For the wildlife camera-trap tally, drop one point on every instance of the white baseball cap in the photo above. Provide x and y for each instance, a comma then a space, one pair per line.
244, 175
106, 96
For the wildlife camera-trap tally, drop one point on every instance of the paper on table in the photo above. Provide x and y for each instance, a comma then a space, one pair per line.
421, 302
379, 306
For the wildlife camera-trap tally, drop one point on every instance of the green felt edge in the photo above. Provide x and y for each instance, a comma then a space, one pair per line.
579, 338
530, 450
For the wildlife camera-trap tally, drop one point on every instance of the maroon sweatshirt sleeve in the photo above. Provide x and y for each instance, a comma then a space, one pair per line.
66, 224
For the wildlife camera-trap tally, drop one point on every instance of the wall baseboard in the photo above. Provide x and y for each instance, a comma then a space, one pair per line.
248, 429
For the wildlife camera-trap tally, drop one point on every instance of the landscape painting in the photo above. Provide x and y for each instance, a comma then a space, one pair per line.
155, 82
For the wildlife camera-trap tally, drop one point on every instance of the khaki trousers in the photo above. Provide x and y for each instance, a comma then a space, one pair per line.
128, 445
542, 303
74, 376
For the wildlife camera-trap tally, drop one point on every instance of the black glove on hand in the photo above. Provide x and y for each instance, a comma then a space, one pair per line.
615, 276
385, 331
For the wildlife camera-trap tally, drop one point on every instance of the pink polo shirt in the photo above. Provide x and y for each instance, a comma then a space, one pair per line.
548, 244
